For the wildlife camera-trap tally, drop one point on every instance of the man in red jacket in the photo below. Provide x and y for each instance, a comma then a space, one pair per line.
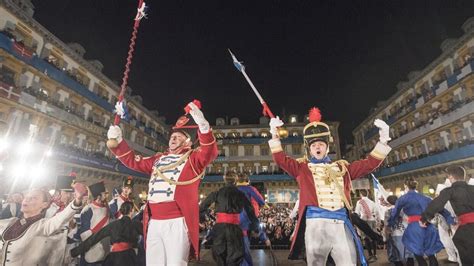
171, 217
323, 224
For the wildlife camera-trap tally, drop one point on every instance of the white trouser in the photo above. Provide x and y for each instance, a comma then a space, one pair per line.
167, 243
448, 244
324, 236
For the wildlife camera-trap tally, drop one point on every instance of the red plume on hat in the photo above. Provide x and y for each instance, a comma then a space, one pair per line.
314, 115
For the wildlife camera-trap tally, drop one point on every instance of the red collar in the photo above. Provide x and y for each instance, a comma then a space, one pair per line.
123, 198
98, 204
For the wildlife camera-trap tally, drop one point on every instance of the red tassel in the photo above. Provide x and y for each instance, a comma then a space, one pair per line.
129, 177
314, 115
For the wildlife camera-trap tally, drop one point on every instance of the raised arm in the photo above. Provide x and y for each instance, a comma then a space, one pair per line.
377, 155
207, 151
127, 156
53, 224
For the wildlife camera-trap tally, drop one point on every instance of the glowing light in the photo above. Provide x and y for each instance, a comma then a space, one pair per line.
39, 171
431, 190
201, 196
25, 148
3, 144
19, 169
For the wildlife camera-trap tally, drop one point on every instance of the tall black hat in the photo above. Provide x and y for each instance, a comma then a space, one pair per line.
128, 182
316, 130
96, 189
65, 182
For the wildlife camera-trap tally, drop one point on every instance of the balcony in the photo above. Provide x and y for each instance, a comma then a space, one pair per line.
258, 140
254, 178
432, 160
428, 94
94, 160
53, 72
43, 106
442, 120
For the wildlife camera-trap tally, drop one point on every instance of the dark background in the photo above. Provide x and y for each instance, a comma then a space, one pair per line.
342, 56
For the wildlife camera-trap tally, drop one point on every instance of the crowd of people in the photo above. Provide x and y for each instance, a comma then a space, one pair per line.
275, 221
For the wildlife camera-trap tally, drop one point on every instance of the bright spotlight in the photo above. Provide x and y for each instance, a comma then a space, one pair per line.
3, 144
39, 171
19, 169
25, 148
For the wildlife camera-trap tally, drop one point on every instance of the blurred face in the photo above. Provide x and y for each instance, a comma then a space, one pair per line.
177, 140
318, 149
126, 191
33, 203
66, 197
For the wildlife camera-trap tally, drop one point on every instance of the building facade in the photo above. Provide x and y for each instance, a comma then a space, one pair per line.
244, 148
431, 119
61, 104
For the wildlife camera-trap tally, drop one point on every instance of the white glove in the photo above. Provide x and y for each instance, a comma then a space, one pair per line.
120, 110
198, 117
115, 133
384, 131
274, 124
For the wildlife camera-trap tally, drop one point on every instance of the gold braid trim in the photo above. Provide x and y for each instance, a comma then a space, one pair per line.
332, 175
157, 172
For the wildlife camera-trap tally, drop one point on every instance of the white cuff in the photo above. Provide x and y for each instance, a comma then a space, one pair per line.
204, 128
380, 151
275, 145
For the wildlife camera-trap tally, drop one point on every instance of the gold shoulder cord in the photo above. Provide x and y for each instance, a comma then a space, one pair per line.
333, 175
157, 171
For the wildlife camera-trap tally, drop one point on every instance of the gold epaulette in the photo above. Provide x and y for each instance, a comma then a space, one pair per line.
302, 160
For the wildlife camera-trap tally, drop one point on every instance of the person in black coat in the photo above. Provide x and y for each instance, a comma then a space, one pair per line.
461, 196
228, 246
123, 233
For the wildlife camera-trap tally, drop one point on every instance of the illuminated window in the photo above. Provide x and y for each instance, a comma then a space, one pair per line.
264, 134
293, 119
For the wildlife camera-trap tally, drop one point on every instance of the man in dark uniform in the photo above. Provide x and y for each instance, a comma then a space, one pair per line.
228, 246
123, 235
461, 196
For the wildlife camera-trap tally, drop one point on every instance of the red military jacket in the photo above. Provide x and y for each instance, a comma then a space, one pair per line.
186, 196
307, 195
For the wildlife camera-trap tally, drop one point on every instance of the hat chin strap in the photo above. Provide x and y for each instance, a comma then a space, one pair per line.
183, 147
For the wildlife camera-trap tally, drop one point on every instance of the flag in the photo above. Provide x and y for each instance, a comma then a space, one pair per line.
379, 193
237, 63
22, 50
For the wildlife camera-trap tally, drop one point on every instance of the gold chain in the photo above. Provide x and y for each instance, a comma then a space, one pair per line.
158, 172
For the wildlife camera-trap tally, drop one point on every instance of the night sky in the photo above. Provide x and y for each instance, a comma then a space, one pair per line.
342, 56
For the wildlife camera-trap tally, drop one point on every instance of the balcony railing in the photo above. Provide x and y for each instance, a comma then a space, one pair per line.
56, 112
54, 73
432, 160
436, 123
254, 178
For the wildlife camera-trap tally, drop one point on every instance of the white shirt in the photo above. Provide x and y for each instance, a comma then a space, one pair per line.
360, 211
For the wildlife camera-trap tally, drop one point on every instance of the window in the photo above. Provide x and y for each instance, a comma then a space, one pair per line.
233, 151
248, 150
296, 149
264, 151
264, 134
